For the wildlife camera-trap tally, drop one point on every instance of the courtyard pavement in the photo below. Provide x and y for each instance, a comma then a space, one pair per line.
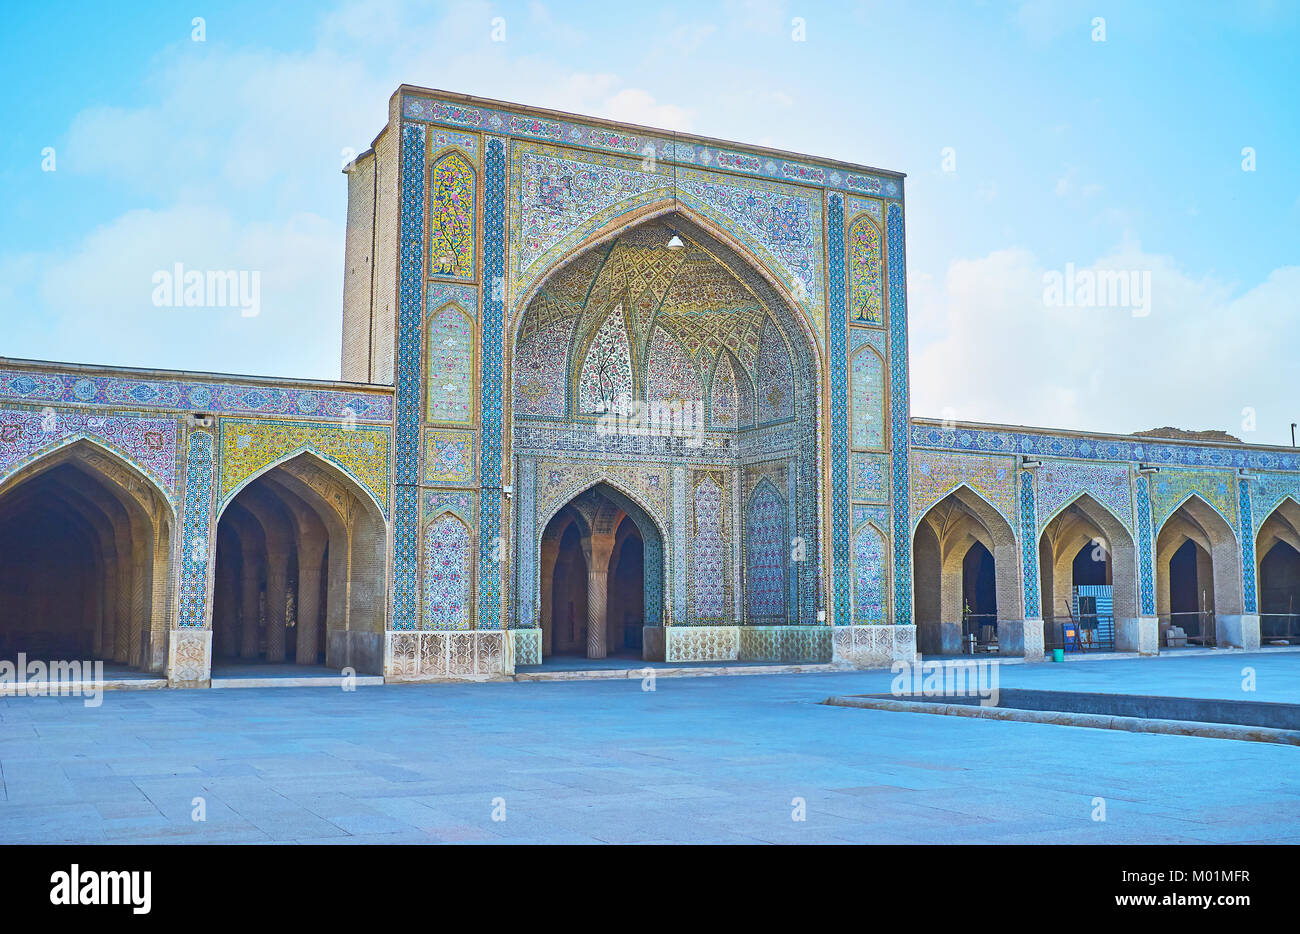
715, 759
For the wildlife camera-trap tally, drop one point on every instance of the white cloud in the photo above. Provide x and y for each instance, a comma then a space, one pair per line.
995, 352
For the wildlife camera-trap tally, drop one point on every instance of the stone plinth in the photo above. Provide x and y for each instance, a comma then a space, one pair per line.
1021, 637
785, 644
873, 646
189, 658
527, 646
1239, 632
1139, 634
438, 655
701, 643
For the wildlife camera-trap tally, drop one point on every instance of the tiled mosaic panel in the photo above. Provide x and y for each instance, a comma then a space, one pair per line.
870, 477
868, 384
148, 443
527, 645
701, 643
448, 456
664, 149
1146, 567
724, 395
361, 452
1156, 452
605, 383
900, 409
446, 574
200, 462
452, 190
670, 376
1267, 491
1061, 482
840, 572
1029, 545
866, 291
775, 396
789, 644
494, 315
870, 602
708, 553
1171, 487
766, 554
934, 476
45, 387
451, 377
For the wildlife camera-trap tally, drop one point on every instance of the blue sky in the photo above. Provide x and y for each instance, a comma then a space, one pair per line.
1123, 154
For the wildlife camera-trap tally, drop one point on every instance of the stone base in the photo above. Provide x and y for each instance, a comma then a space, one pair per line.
785, 644
1139, 634
1022, 638
363, 652
438, 655
189, 658
527, 645
1240, 632
873, 646
652, 643
701, 643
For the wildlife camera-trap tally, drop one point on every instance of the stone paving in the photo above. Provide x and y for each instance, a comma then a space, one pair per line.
716, 759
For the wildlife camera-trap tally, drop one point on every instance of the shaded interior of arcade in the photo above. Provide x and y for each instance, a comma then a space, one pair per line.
85, 546
299, 572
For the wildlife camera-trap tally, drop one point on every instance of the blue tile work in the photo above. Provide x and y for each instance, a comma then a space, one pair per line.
1029, 544
68, 388
663, 149
1146, 571
199, 469
900, 409
406, 442
838, 339
990, 441
494, 311
1247, 535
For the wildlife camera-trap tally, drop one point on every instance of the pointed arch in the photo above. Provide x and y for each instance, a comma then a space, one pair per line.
1218, 582
129, 476
323, 461
1059, 542
593, 234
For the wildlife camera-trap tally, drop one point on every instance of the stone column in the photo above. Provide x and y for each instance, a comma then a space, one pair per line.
227, 611
277, 589
597, 549
309, 566
250, 589
550, 551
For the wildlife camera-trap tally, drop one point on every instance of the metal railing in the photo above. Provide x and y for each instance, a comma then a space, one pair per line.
983, 627
1197, 626
1089, 633
1279, 627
